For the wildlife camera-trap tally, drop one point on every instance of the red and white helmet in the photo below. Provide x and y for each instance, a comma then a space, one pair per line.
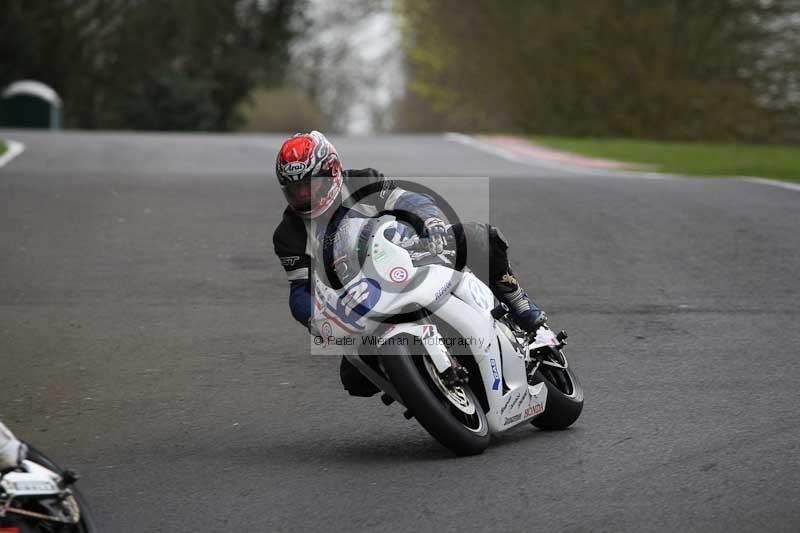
310, 173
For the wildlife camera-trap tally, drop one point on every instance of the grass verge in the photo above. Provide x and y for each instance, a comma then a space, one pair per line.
3, 147
708, 159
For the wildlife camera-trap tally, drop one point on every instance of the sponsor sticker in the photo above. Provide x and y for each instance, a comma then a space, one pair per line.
380, 256
442, 291
358, 300
495, 374
534, 409
512, 419
23, 487
294, 168
521, 399
327, 329
508, 401
398, 274
290, 260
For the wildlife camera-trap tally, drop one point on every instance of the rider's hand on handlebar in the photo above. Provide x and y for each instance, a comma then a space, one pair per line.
436, 235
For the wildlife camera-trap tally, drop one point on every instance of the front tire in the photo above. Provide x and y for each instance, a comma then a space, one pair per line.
564, 398
86, 523
464, 434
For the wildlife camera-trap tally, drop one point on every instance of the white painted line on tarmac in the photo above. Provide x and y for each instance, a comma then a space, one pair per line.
772, 183
13, 149
531, 161
486, 147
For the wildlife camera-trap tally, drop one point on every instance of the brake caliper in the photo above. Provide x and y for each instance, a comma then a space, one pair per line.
455, 376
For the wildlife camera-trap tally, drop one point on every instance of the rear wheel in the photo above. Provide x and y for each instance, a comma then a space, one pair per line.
564, 397
452, 415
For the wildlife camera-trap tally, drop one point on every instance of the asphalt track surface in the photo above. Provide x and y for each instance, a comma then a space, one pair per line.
145, 340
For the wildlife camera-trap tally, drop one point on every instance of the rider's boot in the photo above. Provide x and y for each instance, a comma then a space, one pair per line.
354, 381
521, 308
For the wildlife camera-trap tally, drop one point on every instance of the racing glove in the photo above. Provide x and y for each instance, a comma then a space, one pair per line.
436, 237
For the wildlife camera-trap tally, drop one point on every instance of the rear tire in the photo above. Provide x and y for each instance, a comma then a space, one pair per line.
564, 398
429, 405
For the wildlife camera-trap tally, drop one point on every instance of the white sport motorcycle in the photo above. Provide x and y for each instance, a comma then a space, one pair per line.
431, 338
36, 495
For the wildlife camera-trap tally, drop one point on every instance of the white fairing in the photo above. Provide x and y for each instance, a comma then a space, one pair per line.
388, 284
33, 480
511, 399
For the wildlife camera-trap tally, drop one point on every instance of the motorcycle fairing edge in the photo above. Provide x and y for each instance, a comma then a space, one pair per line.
429, 337
34, 480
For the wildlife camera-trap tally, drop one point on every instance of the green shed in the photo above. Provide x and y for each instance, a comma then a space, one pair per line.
30, 104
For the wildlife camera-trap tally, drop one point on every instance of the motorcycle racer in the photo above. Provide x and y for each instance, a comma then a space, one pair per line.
316, 188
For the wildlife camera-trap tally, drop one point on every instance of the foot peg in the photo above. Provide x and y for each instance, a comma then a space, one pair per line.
386, 399
500, 311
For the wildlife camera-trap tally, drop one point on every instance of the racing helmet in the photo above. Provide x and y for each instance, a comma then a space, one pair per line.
309, 173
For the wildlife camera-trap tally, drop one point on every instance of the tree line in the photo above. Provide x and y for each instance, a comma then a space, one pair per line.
664, 69
149, 64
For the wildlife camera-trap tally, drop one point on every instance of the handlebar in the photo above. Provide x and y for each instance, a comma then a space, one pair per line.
416, 256
415, 242
409, 243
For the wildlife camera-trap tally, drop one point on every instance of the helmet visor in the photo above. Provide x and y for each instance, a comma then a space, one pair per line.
305, 196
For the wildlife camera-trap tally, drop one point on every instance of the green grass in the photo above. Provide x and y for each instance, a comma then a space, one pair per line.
709, 159
2, 147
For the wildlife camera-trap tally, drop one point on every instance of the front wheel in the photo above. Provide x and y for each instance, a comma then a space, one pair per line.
86, 523
452, 415
564, 397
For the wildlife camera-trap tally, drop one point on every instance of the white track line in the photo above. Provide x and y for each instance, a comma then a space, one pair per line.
772, 183
13, 149
524, 159
531, 161
475, 143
